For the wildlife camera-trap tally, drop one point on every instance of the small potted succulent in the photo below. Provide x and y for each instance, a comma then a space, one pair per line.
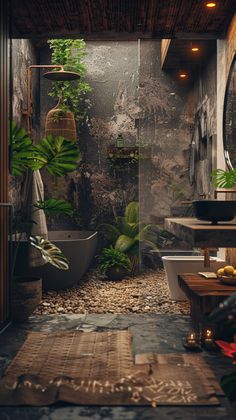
114, 263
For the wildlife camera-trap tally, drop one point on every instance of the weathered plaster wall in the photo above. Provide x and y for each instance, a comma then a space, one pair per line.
204, 133
97, 191
23, 55
164, 126
225, 52
132, 96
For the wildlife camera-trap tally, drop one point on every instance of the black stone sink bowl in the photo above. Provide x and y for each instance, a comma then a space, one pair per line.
214, 210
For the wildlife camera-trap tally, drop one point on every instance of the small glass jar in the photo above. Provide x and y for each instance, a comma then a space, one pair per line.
119, 141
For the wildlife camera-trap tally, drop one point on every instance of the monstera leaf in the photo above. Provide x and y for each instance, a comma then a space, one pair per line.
53, 206
21, 150
224, 179
50, 252
57, 154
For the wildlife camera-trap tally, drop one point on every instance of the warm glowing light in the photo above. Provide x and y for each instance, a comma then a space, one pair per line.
211, 4
195, 49
191, 338
208, 333
183, 75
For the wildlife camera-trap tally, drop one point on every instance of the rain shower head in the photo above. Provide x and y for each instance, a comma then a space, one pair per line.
61, 75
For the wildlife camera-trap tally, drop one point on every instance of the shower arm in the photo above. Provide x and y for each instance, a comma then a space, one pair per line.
28, 112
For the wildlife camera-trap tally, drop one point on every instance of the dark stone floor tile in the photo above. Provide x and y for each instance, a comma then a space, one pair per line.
151, 333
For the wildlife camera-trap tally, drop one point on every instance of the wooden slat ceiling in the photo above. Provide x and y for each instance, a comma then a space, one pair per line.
180, 56
106, 18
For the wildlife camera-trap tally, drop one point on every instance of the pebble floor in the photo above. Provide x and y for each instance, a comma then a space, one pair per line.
145, 293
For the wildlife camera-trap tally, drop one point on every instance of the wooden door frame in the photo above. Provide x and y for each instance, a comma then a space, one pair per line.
4, 178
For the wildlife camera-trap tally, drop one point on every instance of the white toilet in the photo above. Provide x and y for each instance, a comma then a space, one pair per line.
175, 265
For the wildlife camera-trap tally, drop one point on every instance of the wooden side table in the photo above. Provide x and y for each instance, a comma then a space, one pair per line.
204, 295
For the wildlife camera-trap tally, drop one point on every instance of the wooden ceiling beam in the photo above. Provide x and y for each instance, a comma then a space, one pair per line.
113, 36
165, 44
151, 18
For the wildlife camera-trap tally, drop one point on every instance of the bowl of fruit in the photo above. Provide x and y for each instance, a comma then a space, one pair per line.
227, 274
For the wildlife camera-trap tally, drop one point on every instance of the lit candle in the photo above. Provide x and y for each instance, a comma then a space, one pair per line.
209, 334
208, 339
191, 342
191, 339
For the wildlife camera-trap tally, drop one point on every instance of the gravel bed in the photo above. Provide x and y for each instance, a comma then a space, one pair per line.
146, 292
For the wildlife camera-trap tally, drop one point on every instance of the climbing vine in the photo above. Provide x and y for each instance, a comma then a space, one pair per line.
70, 53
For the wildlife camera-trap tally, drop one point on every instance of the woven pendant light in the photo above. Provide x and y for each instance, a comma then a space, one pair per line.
61, 125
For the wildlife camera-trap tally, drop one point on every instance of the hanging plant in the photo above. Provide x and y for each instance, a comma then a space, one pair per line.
69, 53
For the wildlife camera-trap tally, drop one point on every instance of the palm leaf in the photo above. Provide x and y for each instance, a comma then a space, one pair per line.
149, 232
224, 179
110, 232
124, 243
53, 206
148, 244
130, 229
50, 252
57, 154
21, 150
132, 212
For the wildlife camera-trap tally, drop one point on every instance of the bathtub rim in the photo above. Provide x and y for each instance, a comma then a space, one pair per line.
92, 235
65, 239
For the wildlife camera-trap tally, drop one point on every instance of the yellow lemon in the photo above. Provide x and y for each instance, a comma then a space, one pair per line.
220, 272
228, 270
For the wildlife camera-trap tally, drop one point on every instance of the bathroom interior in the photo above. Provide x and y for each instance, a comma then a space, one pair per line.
120, 177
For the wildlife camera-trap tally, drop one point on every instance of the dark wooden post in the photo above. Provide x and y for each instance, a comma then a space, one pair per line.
4, 210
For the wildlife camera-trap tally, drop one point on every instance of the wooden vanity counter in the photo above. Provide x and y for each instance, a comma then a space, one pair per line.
203, 234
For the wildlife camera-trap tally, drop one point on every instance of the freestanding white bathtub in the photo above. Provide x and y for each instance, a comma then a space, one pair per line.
175, 265
78, 246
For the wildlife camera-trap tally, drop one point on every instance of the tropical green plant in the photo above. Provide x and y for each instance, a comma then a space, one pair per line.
21, 150
128, 234
58, 156
112, 257
50, 252
70, 53
53, 206
224, 179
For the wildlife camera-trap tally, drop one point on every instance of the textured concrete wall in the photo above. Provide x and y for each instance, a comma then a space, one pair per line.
96, 190
23, 55
132, 96
164, 125
204, 103
225, 53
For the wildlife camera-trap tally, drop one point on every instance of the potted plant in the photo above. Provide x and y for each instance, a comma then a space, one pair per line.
128, 234
58, 156
114, 263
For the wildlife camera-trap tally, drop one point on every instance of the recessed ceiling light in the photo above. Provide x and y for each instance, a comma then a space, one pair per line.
211, 4
183, 75
194, 49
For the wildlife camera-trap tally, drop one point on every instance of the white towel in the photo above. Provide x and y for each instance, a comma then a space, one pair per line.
34, 191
